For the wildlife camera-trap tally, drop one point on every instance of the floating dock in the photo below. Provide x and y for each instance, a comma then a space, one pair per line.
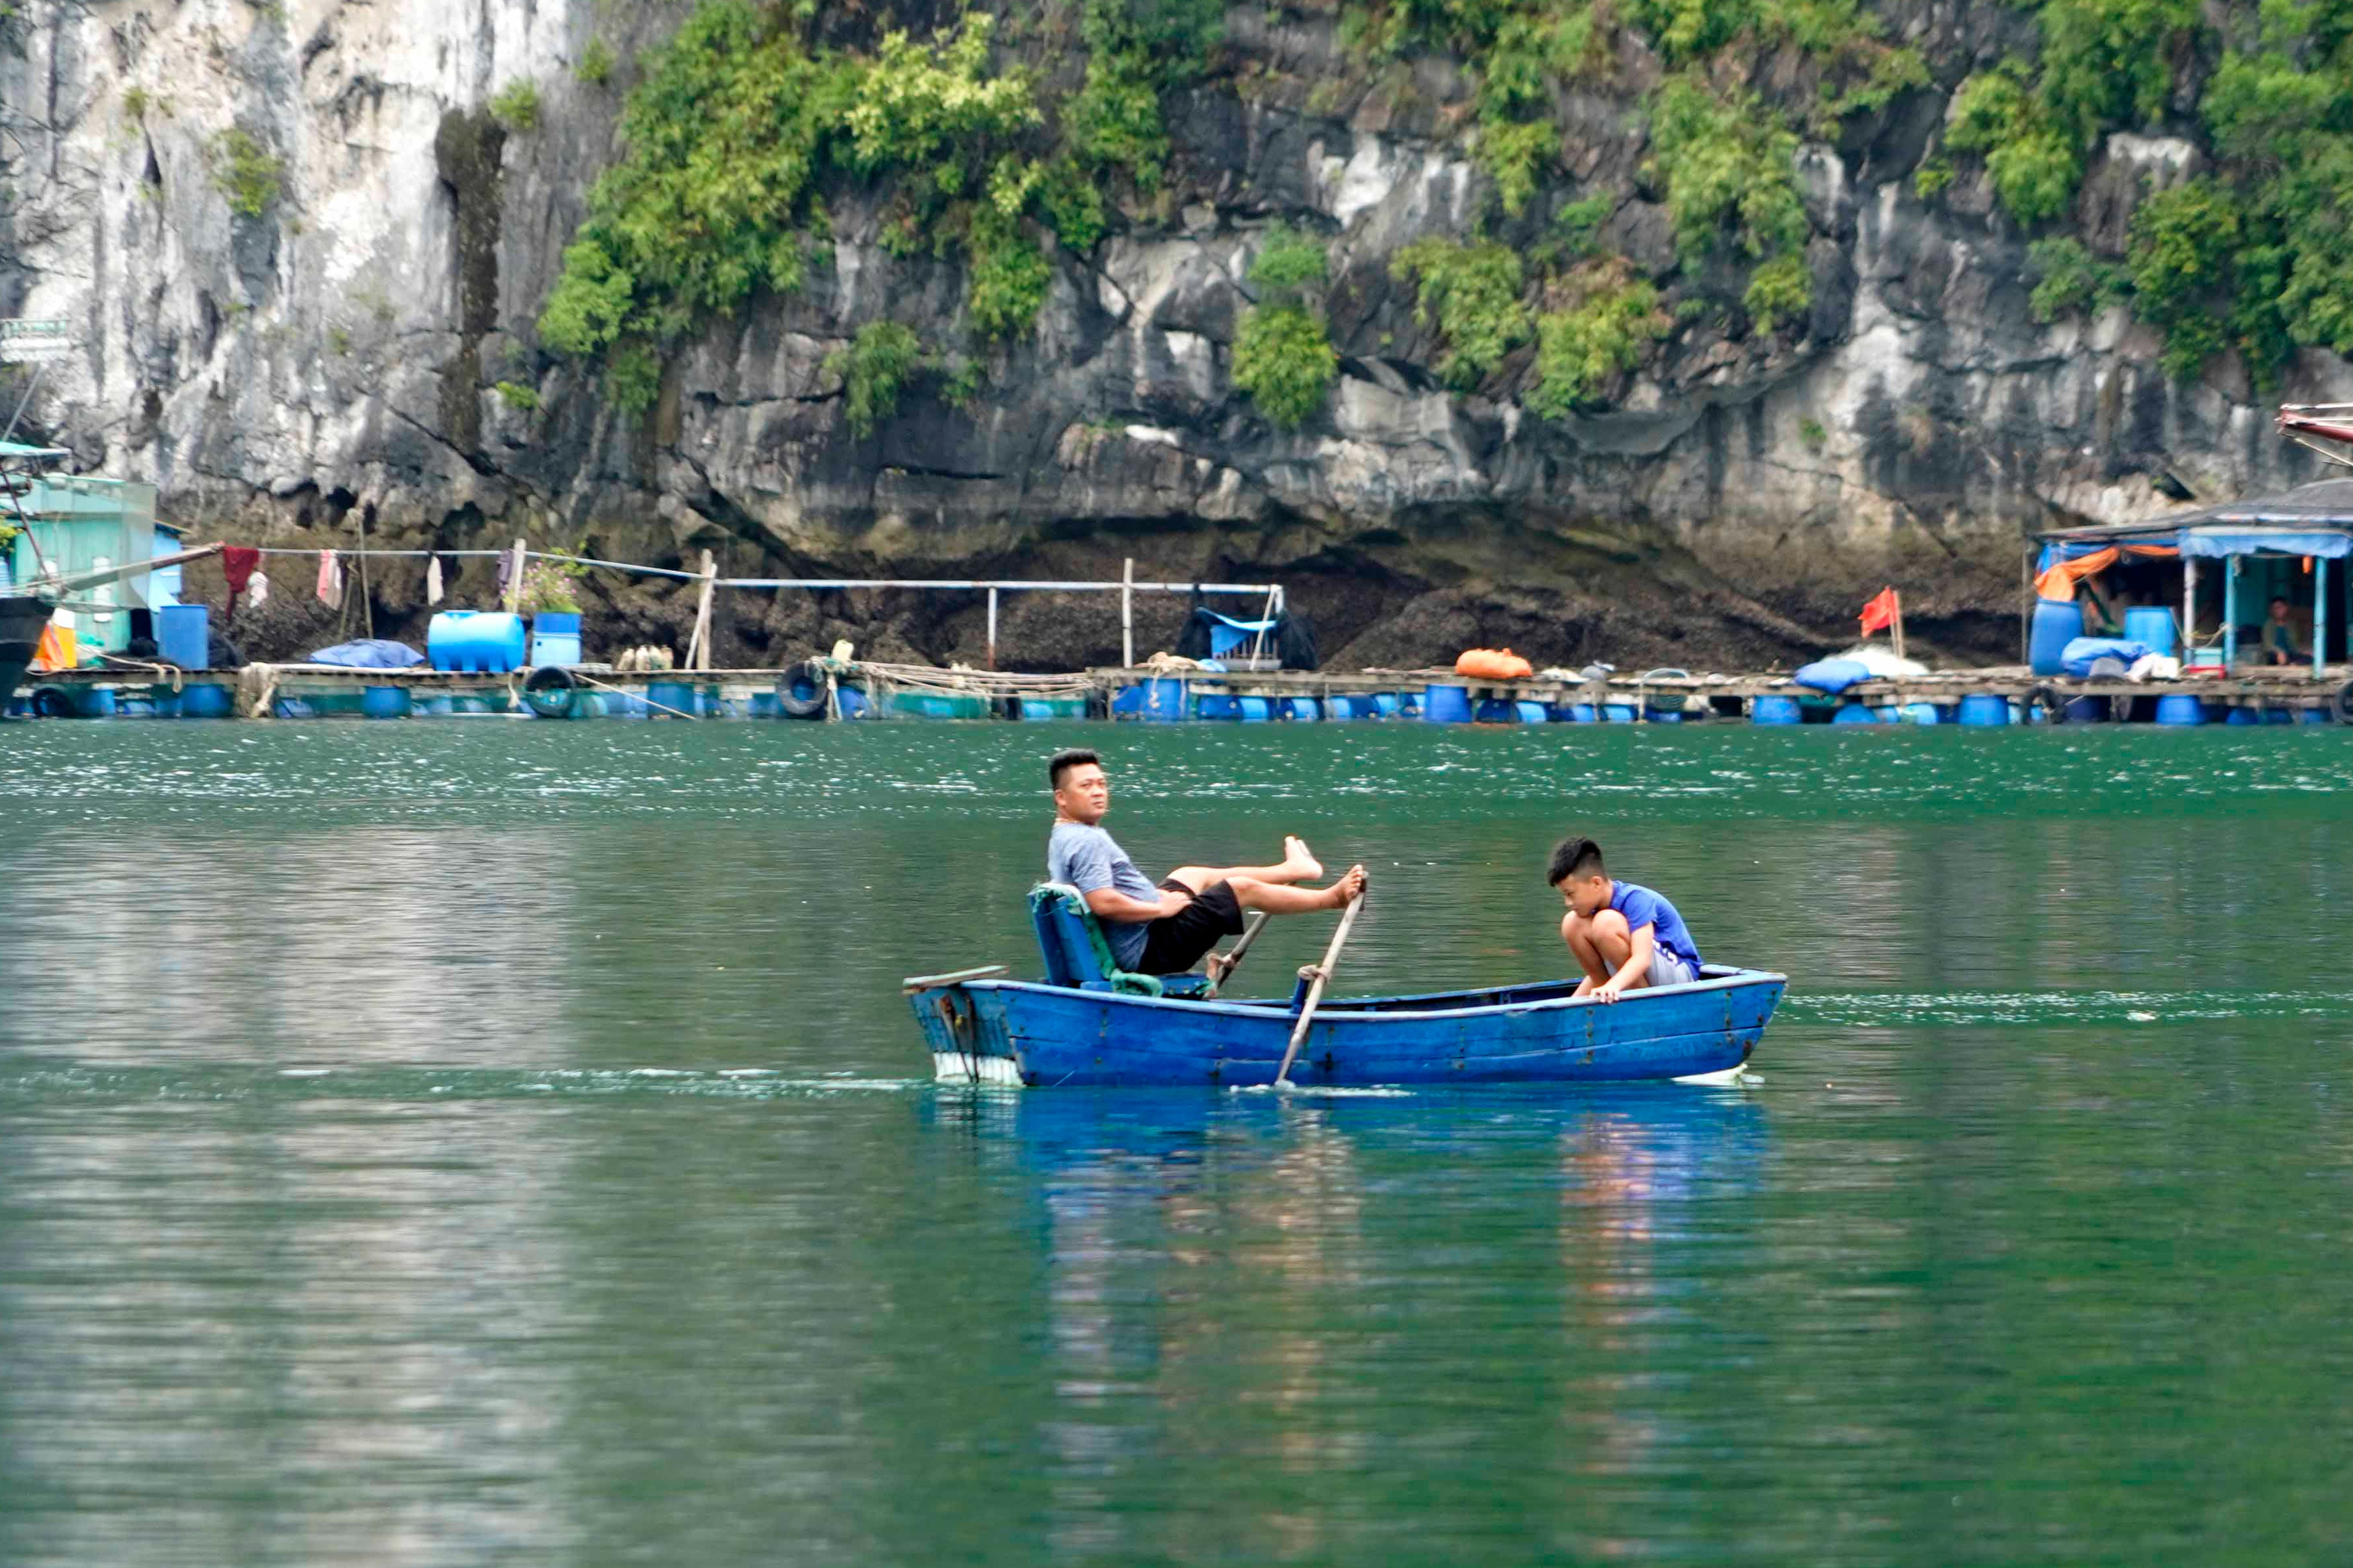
1162, 693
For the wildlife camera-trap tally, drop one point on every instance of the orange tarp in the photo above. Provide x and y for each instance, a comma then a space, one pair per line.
2058, 582
1494, 664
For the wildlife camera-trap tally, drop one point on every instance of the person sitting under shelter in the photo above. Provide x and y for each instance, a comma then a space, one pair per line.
1625, 938
1166, 929
2279, 636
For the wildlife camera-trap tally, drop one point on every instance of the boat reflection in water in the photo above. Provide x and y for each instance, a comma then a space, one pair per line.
1276, 1280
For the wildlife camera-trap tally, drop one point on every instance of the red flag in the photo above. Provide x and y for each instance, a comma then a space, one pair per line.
1881, 612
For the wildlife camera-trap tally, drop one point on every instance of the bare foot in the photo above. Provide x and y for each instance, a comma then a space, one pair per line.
1299, 862
1348, 889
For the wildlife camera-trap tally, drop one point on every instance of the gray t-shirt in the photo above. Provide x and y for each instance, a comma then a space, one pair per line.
1088, 858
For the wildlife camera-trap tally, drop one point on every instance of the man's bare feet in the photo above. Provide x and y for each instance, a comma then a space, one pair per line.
1298, 862
1348, 889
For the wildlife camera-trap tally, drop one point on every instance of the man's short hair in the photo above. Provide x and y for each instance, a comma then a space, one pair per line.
1062, 763
1574, 857
2281, 599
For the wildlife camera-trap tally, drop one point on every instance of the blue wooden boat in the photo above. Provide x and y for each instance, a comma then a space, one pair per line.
1089, 1024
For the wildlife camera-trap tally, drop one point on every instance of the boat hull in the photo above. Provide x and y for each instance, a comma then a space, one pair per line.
1010, 1032
21, 620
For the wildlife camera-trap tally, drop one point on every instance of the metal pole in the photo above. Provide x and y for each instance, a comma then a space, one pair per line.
2026, 605
1126, 613
2189, 603
992, 628
2230, 615
514, 579
2320, 617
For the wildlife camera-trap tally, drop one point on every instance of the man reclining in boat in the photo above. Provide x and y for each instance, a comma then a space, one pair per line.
1167, 929
1626, 938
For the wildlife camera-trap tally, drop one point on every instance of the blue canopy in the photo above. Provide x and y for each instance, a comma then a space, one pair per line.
2215, 542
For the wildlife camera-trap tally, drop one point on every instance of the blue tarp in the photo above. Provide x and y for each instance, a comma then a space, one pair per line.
2215, 542
369, 653
2077, 658
1832, 673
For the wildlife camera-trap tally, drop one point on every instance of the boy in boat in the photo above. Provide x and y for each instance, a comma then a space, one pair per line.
1166, 929
1626, 938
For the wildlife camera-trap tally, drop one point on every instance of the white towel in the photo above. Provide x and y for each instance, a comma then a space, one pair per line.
433, 579
257, 591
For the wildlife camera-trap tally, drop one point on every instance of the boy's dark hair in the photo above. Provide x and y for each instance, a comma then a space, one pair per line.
1574, 857
2279, 599
1062, 763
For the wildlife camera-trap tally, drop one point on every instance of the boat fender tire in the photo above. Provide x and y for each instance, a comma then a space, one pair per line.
1098, 703
2120, 710
2340, 706
52, 703
793, 705
548, 691
2043, 700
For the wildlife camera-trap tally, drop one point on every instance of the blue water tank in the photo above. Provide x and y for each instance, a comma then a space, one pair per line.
1981, 711
183, 635
2151, 624
2057, 623
2179, 709
486, 642
1776, 711
385, 703
555, 637
1446, 704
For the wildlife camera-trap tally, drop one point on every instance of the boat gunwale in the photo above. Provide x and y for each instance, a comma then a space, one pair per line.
1366, 1009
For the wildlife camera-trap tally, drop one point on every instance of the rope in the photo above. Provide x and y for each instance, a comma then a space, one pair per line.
648, 701
155, 671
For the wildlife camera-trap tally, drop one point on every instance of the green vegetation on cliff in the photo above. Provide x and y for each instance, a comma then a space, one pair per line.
1283, 353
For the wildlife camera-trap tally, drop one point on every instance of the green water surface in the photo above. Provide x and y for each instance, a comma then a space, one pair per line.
496, 1142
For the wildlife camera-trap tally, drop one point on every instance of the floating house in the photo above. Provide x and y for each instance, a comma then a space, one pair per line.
2199, 581
69, 524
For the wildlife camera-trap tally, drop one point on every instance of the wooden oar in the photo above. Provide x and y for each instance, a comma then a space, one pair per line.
1225, 963
1316, 974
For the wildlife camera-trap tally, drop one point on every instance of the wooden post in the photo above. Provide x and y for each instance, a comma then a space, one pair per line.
1127, 614
992, 628
2188, 603
2026, 605
367, 610
515, 578
1897, 630
698, 650
2229, 615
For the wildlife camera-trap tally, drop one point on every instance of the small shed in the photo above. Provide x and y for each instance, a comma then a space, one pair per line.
2263, 547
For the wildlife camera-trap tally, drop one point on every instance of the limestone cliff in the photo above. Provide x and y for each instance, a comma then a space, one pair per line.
305, 260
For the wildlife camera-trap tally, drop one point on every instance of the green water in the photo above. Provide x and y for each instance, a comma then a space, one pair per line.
492, 1141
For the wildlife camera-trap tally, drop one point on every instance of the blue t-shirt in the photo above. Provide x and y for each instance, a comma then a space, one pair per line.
1643, 908
1088, 858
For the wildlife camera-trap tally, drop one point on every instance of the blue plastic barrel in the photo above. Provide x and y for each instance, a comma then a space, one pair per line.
1302, 709
205, 702
94, 702
1981, 711
2312, 715
1663, 715
1164, 702
488, 642
1618, 712
2151, 624
1446, 704
1255, 710
2087, 710
385, 703
1854, 713
1532, 712
679, 696
1776, 711
1924, 713
2179, 709
1389, 702
1495, 710
2244, 716
2057, 623
183, 635
849, 699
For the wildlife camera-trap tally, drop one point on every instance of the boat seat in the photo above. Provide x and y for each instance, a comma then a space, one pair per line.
1078, 954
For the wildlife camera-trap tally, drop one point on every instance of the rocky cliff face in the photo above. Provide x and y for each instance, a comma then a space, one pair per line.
303, 259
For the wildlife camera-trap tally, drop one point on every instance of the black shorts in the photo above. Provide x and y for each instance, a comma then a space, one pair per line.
1175, 943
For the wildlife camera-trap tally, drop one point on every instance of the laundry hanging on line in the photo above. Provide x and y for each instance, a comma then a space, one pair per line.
331, 580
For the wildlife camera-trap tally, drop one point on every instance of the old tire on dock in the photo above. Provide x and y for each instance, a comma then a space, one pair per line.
52, 703
549, 692
800, 690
